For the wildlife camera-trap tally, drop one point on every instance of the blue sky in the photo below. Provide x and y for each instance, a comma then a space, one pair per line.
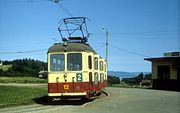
146, 27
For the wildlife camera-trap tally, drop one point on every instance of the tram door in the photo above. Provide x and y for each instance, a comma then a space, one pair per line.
96, 72
90, 70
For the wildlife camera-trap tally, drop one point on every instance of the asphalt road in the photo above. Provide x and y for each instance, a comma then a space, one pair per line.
120, 100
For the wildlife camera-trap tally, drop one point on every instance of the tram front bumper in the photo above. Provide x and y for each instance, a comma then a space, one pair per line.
67, 94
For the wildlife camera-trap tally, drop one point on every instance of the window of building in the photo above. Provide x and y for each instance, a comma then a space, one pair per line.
164, 72
74, 62
101, 65
96, 63
89, 62
57, 62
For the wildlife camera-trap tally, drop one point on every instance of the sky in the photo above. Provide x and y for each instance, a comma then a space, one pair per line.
137, 29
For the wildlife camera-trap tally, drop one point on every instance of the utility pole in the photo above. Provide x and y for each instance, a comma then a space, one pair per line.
107, 34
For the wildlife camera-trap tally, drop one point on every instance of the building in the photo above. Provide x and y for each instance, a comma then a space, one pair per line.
43, 74
1, 63
166, 71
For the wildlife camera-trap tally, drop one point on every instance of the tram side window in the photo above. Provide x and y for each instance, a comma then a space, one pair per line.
96, 63
57, 62
102, 77
101, 66
90, 62
90, 78
74, 62
96, 78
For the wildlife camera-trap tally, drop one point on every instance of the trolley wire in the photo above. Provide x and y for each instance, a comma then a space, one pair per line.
65, 10
156, 33
131, 52
22, 52
21, 1
33, 1
149, 32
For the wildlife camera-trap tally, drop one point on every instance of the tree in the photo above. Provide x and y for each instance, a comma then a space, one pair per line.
148, 76
25, 67
113, 80
134, 80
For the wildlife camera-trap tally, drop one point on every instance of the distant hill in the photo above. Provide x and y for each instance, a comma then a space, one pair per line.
123, 74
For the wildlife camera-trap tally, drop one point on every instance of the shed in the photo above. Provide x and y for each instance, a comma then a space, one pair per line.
166, 71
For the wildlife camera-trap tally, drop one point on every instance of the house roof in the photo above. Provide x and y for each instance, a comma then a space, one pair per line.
173, 59
71, 47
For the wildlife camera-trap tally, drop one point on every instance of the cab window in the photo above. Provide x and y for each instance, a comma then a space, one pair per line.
57, 62
74, 62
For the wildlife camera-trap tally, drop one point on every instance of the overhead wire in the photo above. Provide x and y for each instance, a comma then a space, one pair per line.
149, 32
70, 14
158, 33
22, 52
60, 5
21, 1
122, 49
139, 37
55, 1
128, 51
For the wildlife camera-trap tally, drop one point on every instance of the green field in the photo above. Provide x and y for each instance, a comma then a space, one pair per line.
22, 80
13, 95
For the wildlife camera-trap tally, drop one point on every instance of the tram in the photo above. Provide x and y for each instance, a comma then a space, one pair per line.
74, 68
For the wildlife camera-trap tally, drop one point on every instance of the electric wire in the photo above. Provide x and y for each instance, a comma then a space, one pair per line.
156, 33
22, 52
21, 1
29, 1
149, 32
127, 51
140, 37
61, 6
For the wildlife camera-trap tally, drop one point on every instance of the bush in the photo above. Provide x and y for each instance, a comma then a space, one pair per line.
113, 80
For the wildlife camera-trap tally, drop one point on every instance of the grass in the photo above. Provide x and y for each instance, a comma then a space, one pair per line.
13, 95
5, 67
22, 80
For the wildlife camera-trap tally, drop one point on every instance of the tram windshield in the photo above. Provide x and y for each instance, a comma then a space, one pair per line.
74, 62
57, 62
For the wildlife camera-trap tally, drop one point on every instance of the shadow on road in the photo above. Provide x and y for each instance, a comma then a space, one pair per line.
45, 100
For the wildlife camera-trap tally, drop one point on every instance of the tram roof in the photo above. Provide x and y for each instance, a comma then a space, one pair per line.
71, 47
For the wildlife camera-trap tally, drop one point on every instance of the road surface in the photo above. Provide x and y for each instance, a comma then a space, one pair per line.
119, 100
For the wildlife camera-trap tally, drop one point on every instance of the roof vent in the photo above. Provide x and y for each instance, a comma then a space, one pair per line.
65, 43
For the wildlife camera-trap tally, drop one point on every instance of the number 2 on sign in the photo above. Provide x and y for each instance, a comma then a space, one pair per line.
66, 87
